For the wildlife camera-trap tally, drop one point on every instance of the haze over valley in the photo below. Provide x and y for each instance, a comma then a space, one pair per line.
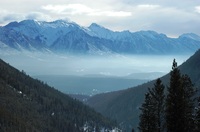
92, 74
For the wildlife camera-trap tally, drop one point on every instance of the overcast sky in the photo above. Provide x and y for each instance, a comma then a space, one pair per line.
171, 17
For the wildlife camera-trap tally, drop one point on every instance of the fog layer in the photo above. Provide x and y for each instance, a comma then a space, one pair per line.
111, 65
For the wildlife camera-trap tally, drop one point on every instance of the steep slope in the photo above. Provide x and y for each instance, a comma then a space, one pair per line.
192, 68
124, 105
19, 41
30, 105
102, 32
78, 41
46, 32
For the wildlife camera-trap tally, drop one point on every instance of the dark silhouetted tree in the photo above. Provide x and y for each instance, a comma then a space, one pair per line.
152, 110
188, 103
158, 97
174, 113
147, 116
179, 102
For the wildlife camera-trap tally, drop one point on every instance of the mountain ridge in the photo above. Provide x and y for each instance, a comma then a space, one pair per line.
36, 35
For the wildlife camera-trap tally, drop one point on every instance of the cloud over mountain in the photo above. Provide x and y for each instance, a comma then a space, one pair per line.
170, 17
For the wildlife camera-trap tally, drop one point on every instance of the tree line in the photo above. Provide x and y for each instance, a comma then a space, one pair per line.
175, 108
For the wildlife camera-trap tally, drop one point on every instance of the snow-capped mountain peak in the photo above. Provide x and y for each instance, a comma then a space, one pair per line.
47, 32
58, 24
65, 36
95, 26
100, 31
29, 22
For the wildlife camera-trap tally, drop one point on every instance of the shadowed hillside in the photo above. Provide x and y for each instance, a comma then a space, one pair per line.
27, 104
192, 68
124, 105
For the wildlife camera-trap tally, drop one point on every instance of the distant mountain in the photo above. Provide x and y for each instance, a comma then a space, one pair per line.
78, 41
16, 40
68, 37
147, 76
46, 32
190, 36
124, 105
27, 104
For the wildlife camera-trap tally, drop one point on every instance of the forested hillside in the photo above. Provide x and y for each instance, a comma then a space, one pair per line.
174, 109
27, 104
192, 68
124, 105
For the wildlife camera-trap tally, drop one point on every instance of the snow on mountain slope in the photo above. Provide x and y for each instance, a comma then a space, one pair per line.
69, 37
47, 32
101, 32
78, 41
147, 41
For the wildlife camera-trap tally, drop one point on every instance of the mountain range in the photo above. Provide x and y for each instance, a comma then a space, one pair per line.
68, 37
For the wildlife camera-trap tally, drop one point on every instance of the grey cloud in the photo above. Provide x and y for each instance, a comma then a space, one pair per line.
33, 16
168, 20
37, 16
8, 17
165, 16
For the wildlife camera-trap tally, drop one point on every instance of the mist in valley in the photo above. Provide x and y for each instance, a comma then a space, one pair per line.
91, 75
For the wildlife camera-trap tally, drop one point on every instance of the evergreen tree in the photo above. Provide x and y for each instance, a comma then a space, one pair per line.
188, 104
158, 97
152, 116
179, 102
174, 101
147, 116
